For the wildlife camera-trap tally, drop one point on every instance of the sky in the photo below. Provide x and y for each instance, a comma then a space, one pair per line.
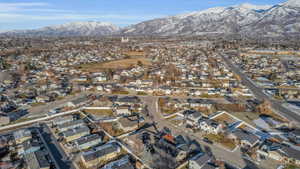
32, 14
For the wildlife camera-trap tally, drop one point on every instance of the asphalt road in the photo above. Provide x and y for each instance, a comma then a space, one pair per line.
57, 152
44, 109
259, 94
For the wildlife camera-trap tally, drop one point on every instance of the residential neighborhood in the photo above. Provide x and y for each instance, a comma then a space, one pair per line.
142, 103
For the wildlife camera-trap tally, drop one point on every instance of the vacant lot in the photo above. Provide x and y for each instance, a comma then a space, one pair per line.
116, 64
223, 140
100, 112
248, 117
225, 119
112, 128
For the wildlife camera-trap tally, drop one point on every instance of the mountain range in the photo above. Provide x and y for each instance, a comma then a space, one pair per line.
246, 19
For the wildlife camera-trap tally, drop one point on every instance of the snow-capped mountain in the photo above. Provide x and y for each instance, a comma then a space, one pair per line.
292, 3
71, 29
246, 19
282, 19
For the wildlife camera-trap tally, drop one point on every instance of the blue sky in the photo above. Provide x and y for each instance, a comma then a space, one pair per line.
30, 14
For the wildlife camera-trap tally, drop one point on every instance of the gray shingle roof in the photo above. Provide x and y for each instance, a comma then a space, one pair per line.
244, 135
75, 131
201, 159
122, 163
290, 152
101, 151
88, 138
69, 124
36, 160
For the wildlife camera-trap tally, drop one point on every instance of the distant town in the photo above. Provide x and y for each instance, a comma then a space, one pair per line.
149, 103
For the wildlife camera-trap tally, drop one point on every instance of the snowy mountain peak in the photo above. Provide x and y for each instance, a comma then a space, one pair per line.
88, 25
247, 19
292, 3
215, 10
90, 28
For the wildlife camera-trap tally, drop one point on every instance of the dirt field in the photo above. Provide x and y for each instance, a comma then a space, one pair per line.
102, 112
116, 64
225, 118
134, 53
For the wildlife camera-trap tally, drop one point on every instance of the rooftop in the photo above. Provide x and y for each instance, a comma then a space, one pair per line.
101, 151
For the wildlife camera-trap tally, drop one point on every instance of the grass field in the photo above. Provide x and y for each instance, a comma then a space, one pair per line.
116, 64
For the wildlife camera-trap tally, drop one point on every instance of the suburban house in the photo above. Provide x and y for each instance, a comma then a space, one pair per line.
192, 116
175, 147
122, 111
290, 155
294, 136
200, 161
75, 133
28, 147
122, 163
279, 152
78, 102
244, 138
36, 160
99, 77
193, 103
70, 125
128, 100
62, 120
209, 126
100, 155
4, 119
87, 141
128, 124
22, 135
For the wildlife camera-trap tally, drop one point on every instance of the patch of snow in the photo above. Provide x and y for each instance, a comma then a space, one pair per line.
292, 3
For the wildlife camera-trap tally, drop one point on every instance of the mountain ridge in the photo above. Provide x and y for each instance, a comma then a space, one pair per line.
246, 19
88, 28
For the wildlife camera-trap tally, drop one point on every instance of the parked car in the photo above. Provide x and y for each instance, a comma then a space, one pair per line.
205, 139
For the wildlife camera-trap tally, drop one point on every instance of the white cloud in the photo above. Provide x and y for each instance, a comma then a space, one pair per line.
40, 12
13, 17
14, 7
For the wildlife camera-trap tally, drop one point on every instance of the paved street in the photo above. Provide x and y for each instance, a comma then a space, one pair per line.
57, 152
43, 109
258, 92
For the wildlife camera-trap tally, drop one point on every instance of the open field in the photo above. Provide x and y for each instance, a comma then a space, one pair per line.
112, 128
221, 139
116, 64
248, 117
134, 53
225, 119
100, 112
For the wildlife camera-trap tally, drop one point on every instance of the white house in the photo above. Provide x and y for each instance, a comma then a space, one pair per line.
209, 126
